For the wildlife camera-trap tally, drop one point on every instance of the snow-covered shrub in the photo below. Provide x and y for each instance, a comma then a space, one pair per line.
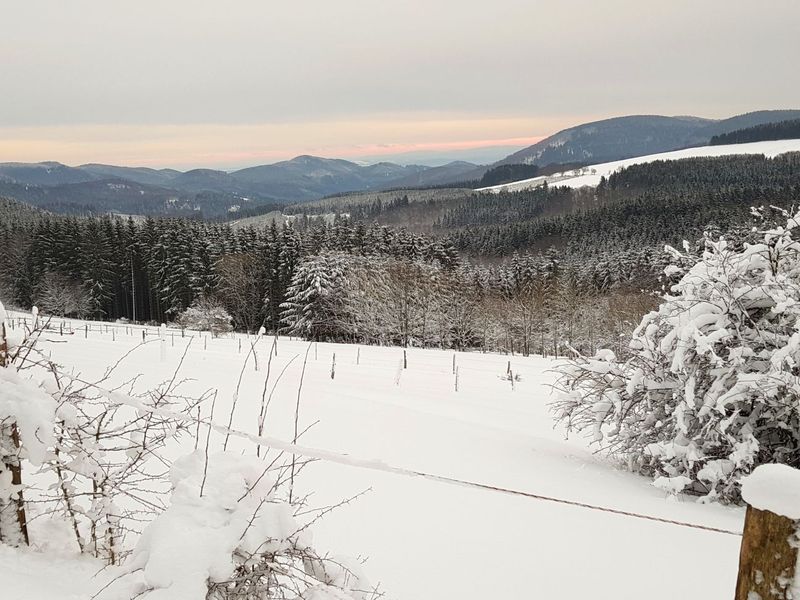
27, 423
104, 471
711, 387
206, 315
90, 447
110, 448
228, 534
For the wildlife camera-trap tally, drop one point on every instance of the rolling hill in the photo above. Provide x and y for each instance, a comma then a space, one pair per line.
97, 188
638, 135
590, 175
211, 193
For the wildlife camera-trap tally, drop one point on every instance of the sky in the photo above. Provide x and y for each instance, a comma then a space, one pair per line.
196, 83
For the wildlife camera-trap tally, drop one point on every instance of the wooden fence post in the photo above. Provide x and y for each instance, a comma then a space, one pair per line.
11, 462
769, 551
3, 344
767, 557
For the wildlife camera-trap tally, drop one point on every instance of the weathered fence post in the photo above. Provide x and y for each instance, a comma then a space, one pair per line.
162, 336
11, 461
768, 555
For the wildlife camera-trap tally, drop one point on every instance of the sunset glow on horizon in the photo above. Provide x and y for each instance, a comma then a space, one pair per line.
201, 84
236, 146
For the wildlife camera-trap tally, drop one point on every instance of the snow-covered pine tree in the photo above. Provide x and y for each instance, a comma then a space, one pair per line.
362, 305
96, 267
711, 388
311, 298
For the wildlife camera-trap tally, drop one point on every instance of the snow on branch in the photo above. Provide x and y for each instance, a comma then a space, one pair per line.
712, 385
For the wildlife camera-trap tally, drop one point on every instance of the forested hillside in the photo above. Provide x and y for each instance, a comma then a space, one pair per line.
784, 130
95, 189
642, 206
636, 135
499, 271
343, 281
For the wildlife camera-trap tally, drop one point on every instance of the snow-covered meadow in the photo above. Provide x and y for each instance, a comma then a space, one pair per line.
376, 424
590, 176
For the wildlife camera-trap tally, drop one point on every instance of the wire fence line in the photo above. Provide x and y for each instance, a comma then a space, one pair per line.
376, 465
616, 511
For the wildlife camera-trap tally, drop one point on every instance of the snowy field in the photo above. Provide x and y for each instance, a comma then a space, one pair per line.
425, 538
590, 175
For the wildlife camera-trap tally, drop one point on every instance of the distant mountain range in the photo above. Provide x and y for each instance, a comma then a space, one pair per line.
639, 135
96, 188
107, 188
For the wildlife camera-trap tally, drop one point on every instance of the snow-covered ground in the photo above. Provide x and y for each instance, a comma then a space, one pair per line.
427, 538
590, 175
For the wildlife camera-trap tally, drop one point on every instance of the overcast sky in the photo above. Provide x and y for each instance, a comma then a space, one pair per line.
189, 83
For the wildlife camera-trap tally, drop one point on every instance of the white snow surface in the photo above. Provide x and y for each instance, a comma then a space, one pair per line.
424, 538
775, 488
590, 175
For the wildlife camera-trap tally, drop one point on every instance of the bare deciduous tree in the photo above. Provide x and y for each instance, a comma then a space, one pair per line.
59, 295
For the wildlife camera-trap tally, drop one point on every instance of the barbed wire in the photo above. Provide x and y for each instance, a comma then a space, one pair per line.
376, 465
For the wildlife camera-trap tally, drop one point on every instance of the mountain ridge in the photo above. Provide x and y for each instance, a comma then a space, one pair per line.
96, 187
627, 136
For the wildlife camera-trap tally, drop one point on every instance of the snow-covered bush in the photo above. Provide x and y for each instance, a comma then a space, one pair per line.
228, 534
206, 315
90, 446
711, 388
27, 423
103, 472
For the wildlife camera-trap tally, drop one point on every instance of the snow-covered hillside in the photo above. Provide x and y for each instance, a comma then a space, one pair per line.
590, 175
425, 537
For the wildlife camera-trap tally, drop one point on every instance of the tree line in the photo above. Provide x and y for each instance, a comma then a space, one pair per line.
338, 281
783, 130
